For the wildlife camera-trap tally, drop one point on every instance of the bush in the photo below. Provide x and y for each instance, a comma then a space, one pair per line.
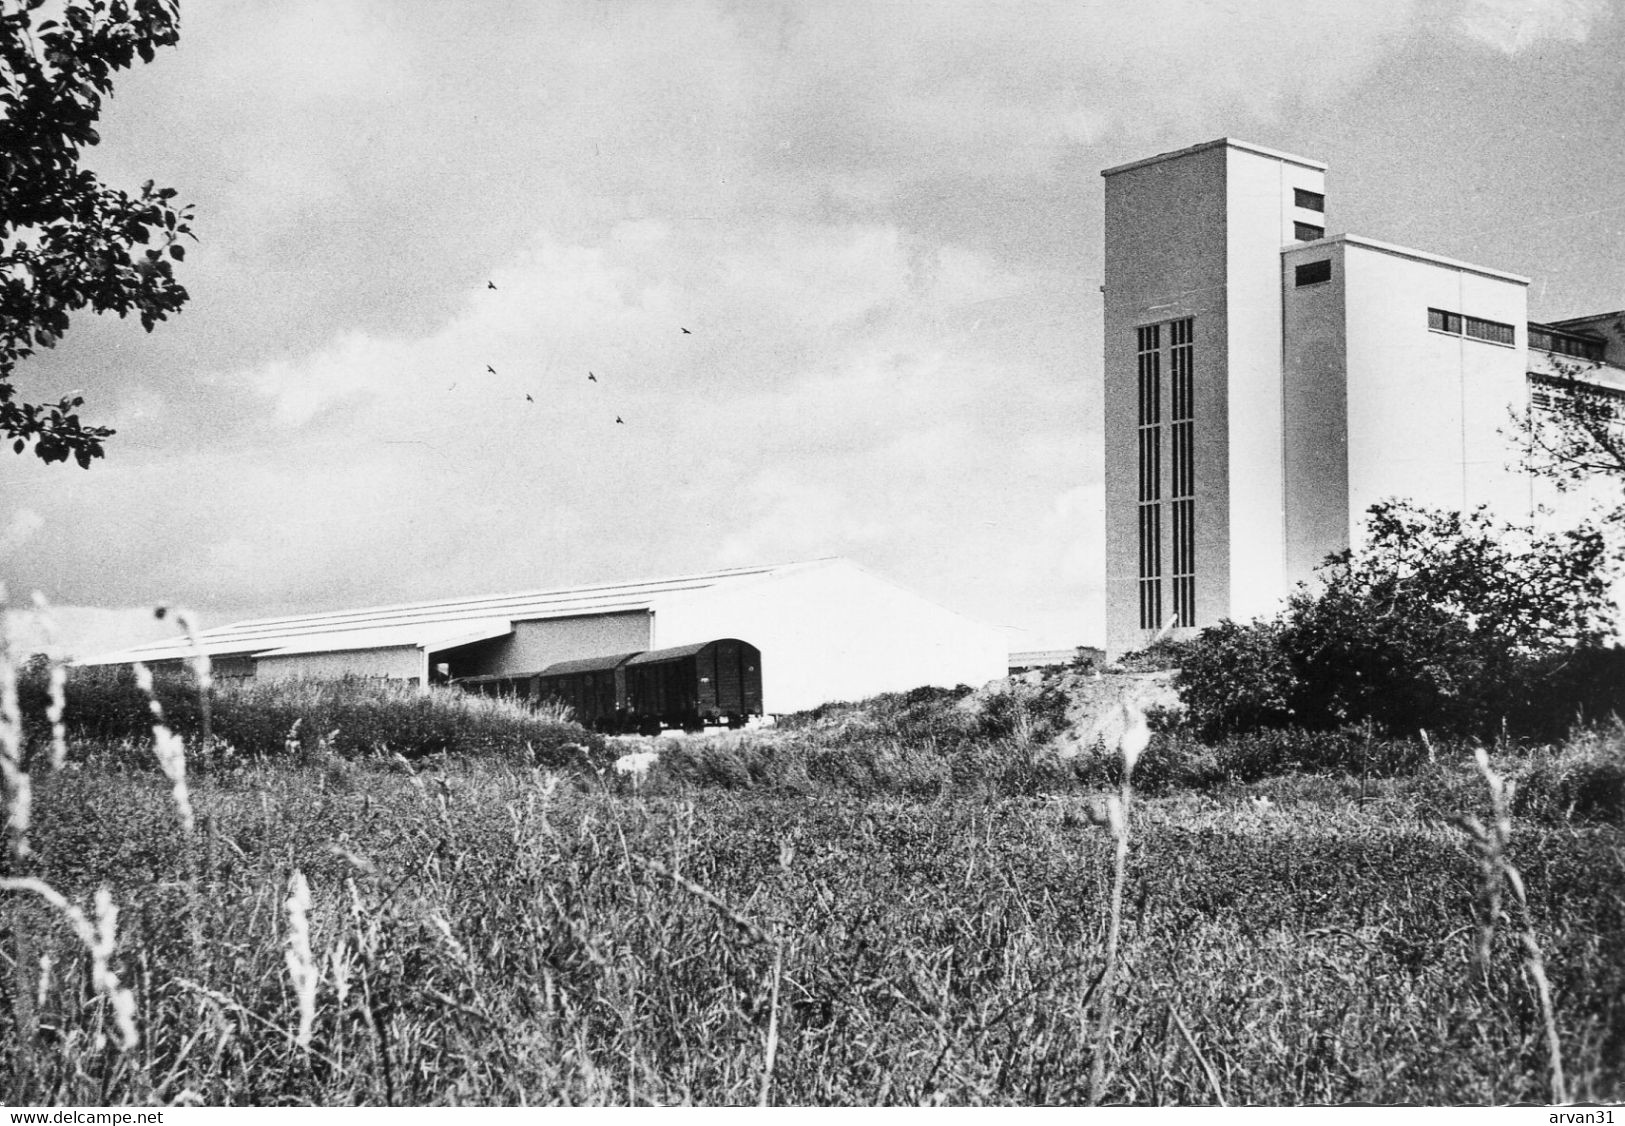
1584, 780
348, 717
1164, 656
1562, 690
1442, 622
1238, 678
1024, 713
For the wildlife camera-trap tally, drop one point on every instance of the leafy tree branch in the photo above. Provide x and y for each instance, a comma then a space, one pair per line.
68, 241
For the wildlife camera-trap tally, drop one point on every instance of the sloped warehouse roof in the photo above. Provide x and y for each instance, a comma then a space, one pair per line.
827, 630
431, 625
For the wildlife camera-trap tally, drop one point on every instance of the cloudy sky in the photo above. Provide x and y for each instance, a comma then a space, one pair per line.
880, 222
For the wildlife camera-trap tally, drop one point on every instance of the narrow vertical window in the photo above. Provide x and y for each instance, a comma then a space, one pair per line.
1182, 496
1148, 351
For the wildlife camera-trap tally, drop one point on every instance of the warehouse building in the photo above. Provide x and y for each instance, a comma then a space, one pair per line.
826, 630
1266, 383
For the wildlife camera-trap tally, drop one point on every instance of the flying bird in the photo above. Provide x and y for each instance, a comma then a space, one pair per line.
685, 331
528, 399
591, 377
618, 421
490, 369
490, 285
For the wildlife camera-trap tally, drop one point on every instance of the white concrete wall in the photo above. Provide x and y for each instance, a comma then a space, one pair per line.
534, 645
1259, 220
1199, 234
1315, 418
1426, 410
1165, 260
402, 662
832, 631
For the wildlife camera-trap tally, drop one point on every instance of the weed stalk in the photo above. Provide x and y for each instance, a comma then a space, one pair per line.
1491, 844
1135, 738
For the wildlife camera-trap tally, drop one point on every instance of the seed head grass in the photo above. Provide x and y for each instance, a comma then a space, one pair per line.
303, 972
98, 939
170, 751
15, 786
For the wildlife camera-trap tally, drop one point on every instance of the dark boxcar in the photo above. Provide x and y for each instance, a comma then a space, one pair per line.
690, 686
594, 688
506, 687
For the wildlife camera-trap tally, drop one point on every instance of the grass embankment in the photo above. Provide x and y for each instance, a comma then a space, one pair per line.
110, 715
828, 932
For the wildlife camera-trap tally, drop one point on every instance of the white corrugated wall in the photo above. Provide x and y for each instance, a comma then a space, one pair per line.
832, 631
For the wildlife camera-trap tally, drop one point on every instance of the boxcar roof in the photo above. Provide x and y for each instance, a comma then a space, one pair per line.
492, 677
679, 651
587, 664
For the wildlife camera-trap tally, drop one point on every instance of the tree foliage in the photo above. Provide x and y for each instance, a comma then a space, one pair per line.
68, 241
1578, 434
1442, 620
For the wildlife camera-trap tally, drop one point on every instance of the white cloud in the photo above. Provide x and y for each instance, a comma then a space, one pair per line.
787, 517
1004, 90
81, 631
19, 529
308, 51
1510, 26
794, 296
860, 210
822, 403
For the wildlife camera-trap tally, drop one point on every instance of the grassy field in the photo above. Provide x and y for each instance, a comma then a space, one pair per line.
376, 897
481, 932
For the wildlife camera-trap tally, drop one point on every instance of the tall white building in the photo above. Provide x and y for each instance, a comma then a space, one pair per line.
1265, 384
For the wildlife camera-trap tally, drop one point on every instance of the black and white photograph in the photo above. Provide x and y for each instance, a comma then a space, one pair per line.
812, 553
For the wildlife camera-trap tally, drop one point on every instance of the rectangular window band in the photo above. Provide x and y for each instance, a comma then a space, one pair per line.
1312, 272
1442, 320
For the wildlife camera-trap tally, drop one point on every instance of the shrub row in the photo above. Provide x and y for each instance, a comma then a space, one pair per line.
1441, 620
349, 717
946, 719
804, 761
1243, 678
1583, 779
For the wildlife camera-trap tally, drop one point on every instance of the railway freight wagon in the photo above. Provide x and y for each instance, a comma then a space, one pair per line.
690, 686
594, 688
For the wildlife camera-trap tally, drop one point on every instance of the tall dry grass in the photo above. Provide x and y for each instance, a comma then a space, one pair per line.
494, 935
475, 930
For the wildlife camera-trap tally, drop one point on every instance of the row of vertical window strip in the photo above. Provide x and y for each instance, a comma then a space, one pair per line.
1150, 565
1184, 577
1148, 361
1439, 320
1181, 362
1550, 340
